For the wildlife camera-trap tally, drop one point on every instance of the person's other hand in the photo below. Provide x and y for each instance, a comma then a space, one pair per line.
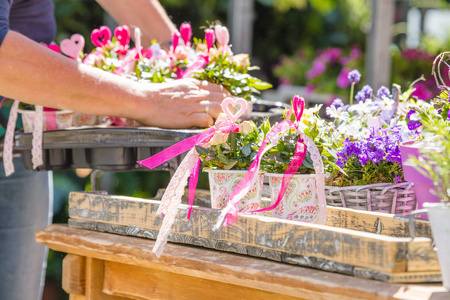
183, 103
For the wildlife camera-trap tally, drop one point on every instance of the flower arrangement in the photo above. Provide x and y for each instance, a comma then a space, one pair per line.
209, 59
367, 134
278, 158
235, 150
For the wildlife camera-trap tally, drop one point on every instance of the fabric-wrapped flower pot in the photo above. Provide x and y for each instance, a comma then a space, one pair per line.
52, 120
222, 183
300, 202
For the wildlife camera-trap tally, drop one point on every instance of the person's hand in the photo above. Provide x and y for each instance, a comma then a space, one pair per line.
183, 103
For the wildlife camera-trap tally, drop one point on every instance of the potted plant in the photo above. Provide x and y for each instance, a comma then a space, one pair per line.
294, 166
227, 157
367, 134
434, 165
426, 115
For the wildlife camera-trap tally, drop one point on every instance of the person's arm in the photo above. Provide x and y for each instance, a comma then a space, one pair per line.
34, 74
148, 15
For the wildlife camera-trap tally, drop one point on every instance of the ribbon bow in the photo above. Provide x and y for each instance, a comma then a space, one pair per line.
189, 167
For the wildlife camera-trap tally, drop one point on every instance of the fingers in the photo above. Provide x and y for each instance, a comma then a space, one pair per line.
212, 87
211, 108
200, 120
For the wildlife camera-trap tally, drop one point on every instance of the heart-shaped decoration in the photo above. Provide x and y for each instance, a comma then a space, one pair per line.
100, 37
122, 34
230, 101
74, 46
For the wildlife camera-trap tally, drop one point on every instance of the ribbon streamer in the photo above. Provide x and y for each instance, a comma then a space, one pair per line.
189, 167
36, 143
9, 140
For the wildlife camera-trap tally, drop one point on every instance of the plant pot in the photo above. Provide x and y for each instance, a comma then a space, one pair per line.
422, 184
63, 119
439, 216
81, 119
300, 200
222, 183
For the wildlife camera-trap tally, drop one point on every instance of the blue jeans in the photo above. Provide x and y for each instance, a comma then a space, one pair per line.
26, 206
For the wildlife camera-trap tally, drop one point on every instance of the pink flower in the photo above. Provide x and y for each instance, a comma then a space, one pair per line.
422, 92
318, 68
209, 37
354, 53
175, 40
342, 80
186, 33
331, 54
222, 35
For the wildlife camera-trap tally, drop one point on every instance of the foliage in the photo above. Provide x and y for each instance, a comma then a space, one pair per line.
232, 73
236, 150
277, 159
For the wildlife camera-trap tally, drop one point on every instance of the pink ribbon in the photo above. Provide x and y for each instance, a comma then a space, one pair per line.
156, 160
230, 213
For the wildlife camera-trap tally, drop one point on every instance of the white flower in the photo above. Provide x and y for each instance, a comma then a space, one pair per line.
363, 108
387, 104
337, 113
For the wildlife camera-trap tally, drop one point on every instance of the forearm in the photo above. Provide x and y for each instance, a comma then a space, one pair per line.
148, 15
33, 74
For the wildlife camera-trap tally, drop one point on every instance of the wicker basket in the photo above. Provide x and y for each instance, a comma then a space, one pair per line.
399, 199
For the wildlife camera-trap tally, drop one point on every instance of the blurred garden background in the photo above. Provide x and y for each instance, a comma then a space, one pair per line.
309, 44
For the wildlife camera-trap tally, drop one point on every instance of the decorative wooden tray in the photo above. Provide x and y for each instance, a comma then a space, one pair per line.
359, 243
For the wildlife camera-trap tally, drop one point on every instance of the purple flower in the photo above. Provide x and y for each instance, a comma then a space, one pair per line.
414, 124
367, 90
448, 114
337, 103
383, 91
398, 179
360, 96
354, 76
408, 115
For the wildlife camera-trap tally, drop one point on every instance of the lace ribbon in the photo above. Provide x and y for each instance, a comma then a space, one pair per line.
36, 144
9, 140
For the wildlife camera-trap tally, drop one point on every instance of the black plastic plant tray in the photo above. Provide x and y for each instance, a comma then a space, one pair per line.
107, 149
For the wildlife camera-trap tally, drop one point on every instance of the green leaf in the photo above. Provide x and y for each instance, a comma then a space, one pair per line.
223, 159
201, 150
246, 150
230, 165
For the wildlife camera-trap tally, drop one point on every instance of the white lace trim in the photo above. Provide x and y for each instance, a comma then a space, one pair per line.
172, 198
36, 150
9, 140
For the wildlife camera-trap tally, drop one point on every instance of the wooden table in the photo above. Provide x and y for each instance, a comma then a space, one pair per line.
109, 266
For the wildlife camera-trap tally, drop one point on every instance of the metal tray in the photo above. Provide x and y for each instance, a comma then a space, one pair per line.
107, 149
118, 149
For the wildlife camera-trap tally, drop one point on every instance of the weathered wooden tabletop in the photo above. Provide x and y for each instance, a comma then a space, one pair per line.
110, 266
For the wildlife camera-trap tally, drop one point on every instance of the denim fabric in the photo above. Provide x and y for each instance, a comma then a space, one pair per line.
26, 201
